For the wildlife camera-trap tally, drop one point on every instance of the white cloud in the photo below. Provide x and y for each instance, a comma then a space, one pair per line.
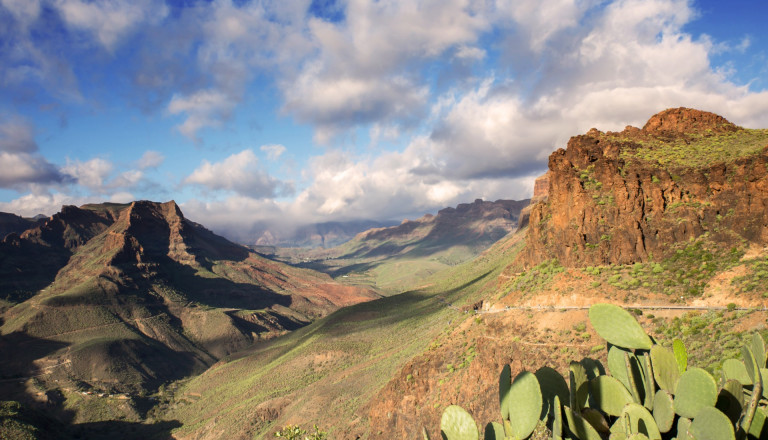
364, 71
274, 151
91, 174
150, 159
20, 169
29, 205
20, 162
110, 20
25, 11
240, 173
205, 108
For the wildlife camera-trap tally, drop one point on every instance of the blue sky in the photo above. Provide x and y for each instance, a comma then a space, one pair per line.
289, 112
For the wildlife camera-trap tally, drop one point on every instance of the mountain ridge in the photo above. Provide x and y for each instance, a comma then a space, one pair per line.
137, 289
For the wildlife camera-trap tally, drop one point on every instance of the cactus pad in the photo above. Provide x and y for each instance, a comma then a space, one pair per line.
641, 421
610, 395
524, 402
618, 327
711, 424
457, 424
696, 389
663, 411
665, 368
681, 355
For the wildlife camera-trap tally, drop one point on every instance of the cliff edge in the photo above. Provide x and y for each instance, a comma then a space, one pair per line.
629, 196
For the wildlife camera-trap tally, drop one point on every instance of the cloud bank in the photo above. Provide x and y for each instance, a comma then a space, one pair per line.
413, 105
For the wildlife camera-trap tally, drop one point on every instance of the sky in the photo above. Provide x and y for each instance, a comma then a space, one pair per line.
290, 112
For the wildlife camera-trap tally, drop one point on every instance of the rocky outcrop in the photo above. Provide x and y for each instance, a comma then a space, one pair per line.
608, 203
540, 191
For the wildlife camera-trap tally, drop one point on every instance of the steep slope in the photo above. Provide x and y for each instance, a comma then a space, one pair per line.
327, 372
325, 235
141, 296
474, 225
30, 261
630, 196
12, 223
398, 257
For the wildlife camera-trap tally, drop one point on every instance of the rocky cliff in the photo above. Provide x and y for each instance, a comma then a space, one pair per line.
630, 196
140, 295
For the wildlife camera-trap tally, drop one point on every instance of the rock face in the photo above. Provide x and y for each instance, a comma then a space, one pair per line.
618, 198
140, 295
476, 225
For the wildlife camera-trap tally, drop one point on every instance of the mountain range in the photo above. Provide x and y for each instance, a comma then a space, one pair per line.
202, 338
125, 297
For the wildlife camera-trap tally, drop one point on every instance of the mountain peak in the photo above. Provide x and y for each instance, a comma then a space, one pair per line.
687, 120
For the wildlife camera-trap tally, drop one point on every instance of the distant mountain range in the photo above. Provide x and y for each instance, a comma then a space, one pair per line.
392, 258
325, 235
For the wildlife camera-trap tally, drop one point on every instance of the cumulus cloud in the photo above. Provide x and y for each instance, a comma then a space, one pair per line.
43, 202
150, 159
205, 108
110, 20
241, 174
274, 151
91, 174
365, 70
20, 162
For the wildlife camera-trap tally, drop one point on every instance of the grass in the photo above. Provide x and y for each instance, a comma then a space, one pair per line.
361, 347
697, 150
756, 277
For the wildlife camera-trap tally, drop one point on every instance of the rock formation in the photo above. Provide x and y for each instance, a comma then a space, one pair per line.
618, 198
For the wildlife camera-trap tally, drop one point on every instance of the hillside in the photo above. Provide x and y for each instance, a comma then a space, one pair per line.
387, 368
397, 257
12, 223
123, 298
324, 235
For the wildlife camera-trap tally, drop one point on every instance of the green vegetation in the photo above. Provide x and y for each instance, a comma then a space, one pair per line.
293, 432
362, 346
696, 150
686, 273
756, 278
650, 392
537, 278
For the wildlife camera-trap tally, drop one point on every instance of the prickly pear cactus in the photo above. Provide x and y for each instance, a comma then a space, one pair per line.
649, 392
457, 424
618, 327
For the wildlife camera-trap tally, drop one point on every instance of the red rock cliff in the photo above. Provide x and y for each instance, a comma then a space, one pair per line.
618, 198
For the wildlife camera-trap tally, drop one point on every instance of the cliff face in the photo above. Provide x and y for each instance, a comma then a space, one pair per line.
618, 198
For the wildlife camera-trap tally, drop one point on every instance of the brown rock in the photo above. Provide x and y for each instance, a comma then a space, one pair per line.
604, 209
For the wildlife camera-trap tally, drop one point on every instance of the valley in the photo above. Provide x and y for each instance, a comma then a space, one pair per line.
130, 321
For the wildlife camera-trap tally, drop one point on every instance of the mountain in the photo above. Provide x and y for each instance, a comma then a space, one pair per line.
473, 225
388, 368
630, 196
12, 223
324, 235
393, 258
126, 297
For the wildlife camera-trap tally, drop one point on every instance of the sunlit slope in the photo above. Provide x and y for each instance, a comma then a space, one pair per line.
400, 257
144, 296
327, 372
